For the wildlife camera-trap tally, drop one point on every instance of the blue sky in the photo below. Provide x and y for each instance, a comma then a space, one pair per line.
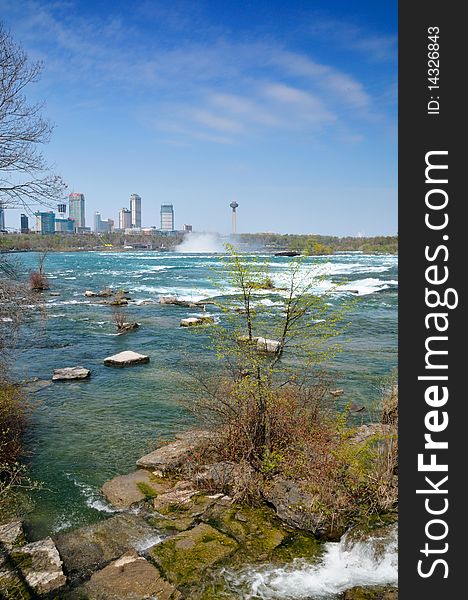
288, 107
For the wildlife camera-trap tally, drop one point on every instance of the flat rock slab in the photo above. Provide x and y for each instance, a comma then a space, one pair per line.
130, 577
126, 359
40, 566
90, 548
125, 490
186, 556
69, 373
172, 456
11, 534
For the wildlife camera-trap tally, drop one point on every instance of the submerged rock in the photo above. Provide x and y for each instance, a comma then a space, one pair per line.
69, 373
130, 577
125, 359
125, 490
89, 548
185, 557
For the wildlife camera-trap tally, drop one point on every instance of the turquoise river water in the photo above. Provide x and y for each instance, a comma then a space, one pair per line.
83, 433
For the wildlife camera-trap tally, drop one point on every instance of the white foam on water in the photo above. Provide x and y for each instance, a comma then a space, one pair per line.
342, 567
92, 497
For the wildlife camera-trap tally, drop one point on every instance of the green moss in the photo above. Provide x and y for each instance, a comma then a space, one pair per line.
148, 492
185, 558
298, 545
13, 588
257, 530
22, 560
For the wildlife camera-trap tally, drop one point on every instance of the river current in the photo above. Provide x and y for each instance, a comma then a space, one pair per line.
83, 433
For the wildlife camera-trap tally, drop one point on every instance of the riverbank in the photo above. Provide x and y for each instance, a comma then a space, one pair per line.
177, 533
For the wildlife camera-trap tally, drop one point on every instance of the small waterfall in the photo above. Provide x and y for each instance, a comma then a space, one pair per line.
344, 564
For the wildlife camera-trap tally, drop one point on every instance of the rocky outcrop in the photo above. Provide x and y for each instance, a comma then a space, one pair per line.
173, 456
34, 568
126, 359
125, 490
69, 373
92, 547
298, 508
11, 534
185, 557
196, 321
130, 577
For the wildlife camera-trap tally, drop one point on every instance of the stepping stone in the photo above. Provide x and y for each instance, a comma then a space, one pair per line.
126, 359
70, 373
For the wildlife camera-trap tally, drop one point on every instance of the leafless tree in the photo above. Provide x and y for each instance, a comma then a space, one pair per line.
24, 174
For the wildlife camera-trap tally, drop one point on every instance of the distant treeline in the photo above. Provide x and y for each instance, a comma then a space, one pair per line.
64, 242
320, 244
273, 242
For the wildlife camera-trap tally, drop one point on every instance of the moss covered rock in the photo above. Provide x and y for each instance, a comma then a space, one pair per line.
125, 490
184, 558
371, 593
257, 530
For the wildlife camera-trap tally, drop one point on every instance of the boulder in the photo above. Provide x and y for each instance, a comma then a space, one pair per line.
125, 490
185, 557
262, 344
128, 327
176, 302
89, 548
356, 408
11, 534
297, 507
105, 293
90, 294
119, 302
175, 497
172, 457
337, 393
69, 373
126, 359
191, 321
40, 567
130, 577
269, 346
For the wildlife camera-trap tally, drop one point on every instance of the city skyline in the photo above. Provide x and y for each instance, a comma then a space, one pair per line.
290, 108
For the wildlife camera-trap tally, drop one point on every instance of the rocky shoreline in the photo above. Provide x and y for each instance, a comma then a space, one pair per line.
173, 532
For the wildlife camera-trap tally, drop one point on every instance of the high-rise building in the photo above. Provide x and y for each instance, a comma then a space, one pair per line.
24, 223
167, 217
63, 225
135, 208
45, 222
2, 219
76, 209
125, 218
97, 222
